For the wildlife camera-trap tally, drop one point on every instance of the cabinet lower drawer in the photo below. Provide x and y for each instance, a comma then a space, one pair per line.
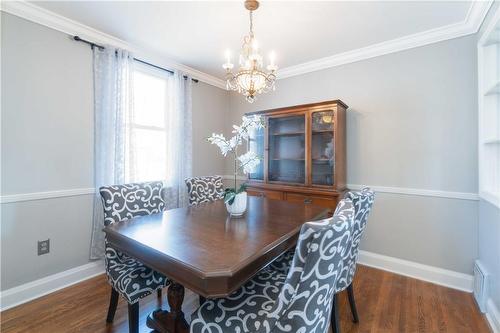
266, 194
329, 202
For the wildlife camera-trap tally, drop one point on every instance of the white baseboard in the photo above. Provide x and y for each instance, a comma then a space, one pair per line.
29, 291
415, 270
493, 316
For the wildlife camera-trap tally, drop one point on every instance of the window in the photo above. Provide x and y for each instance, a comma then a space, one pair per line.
489, 112
146, 146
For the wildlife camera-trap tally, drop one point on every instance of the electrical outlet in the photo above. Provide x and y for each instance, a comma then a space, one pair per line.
43, 247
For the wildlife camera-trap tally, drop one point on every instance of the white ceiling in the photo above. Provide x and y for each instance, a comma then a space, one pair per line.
196, 34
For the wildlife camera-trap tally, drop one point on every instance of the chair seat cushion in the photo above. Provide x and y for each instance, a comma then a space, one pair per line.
131, 278
244, 310
282, 263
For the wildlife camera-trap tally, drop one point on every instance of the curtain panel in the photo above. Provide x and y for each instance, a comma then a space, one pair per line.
179, 141
113, 98
113, 107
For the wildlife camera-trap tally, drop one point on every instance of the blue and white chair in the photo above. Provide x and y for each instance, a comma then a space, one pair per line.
362, 202
129, 277
299, 301
204, 189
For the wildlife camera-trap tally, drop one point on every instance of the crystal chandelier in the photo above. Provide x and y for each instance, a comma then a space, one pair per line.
250, 79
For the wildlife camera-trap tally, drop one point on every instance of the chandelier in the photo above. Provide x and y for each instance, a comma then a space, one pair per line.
251, 79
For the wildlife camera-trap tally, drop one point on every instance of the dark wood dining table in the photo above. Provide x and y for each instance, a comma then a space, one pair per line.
203, 249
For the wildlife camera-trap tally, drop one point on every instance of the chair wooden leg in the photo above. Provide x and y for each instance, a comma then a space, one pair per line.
334, 321
352, 303
159, 293
113, 302
133, 318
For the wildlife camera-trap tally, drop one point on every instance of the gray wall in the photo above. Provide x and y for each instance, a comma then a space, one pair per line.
411, 123
489, 222
47, 145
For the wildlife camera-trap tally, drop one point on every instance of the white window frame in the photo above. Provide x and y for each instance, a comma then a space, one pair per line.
149, 70
488, 51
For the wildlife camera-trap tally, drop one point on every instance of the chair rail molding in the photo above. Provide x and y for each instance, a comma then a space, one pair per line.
36, 14
418, 192
470, 25
11, 198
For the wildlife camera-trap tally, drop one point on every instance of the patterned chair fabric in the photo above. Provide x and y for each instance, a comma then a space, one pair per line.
123, 202
299, 301
204, 189
362, 202
131, 278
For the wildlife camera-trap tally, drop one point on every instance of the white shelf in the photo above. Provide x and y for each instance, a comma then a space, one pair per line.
491, 197
493, 38
491, 141
494, 89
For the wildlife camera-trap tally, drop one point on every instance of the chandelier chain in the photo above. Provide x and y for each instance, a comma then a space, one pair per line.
251, 23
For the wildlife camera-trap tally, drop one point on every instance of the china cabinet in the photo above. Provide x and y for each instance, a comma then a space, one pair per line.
303, 152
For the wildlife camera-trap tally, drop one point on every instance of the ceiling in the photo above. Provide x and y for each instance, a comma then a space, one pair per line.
197, 34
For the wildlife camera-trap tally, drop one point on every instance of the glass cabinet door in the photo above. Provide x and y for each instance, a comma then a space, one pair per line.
256, 145
287, 149
322, 148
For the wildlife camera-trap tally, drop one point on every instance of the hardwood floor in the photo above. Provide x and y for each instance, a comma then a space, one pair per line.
386, 303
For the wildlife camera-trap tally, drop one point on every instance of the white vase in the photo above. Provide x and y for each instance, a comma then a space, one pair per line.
239, 205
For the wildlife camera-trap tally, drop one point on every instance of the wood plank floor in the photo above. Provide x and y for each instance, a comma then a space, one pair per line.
386, 303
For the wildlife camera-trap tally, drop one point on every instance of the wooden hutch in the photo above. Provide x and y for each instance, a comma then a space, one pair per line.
303, 151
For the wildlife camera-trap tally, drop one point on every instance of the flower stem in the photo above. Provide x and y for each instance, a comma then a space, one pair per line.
235, 168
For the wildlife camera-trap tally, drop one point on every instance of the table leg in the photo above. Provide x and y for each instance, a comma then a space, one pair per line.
172, 321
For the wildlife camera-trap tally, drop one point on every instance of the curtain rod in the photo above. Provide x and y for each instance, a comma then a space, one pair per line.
92, 45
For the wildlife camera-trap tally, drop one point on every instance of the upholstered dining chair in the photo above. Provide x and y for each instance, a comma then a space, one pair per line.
204, 189
129, 277
362, 202
299, 301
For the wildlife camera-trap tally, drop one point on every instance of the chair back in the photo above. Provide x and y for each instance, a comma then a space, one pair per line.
123, 202
362, 202
204, 189
305, 300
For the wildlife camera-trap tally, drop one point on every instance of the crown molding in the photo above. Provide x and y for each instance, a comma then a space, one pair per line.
470, 25
36, 14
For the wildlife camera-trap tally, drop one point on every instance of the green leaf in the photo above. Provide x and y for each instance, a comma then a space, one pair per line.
243, 188
229, 196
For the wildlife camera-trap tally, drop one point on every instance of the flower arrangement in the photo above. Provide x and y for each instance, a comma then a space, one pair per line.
245, 162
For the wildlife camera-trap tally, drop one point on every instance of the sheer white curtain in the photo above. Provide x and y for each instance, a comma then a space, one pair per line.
179, 140
113, 98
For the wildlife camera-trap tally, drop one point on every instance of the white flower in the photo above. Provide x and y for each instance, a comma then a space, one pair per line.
221, 142
248, 162
248, 125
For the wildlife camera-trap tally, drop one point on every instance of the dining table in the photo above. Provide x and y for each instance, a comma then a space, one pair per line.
202, 248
